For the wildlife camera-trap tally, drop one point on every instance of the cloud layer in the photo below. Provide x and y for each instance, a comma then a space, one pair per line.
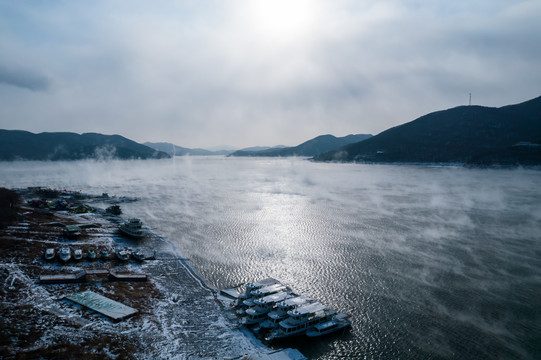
204, 73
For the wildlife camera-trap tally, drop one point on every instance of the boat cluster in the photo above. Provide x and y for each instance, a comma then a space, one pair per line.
61, 204
66, 254
274, 311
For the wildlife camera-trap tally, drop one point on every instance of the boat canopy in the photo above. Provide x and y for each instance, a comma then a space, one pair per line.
307, 309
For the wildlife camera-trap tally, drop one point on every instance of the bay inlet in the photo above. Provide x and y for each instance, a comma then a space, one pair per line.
431, 262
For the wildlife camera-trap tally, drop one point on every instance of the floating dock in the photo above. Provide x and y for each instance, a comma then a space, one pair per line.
231, 293
78, 277
126, 276
81, 277
99, 272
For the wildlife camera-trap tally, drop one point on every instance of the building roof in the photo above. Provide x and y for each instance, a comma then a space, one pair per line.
103, 305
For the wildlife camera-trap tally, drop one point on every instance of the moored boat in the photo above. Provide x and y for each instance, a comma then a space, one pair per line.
337, 322
264, 291
49, 254
91, 254
249, 287
300, 320
122, 254
279, 313
104, 254
274, 311
114, 209
141, 255
64, 254
77, 254
133, 228
262, 306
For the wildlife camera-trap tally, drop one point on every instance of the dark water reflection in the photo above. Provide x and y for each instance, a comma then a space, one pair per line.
431, 262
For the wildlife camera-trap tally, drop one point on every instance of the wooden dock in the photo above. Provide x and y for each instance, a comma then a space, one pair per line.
95, 275
114, 276
78, 277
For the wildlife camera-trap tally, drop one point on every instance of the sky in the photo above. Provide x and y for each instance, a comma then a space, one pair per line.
204, 73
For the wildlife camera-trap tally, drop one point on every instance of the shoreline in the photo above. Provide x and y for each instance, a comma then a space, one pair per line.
180, 315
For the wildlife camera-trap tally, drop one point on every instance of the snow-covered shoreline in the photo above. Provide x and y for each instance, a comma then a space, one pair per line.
179, 314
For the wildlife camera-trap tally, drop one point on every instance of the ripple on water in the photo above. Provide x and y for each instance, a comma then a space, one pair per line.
430, 262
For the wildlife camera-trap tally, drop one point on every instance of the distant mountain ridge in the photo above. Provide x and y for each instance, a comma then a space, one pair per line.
310, 148
473, 135
175, 150
263, 148
24, 145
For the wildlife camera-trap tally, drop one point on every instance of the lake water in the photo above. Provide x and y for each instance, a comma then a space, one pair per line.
431, 262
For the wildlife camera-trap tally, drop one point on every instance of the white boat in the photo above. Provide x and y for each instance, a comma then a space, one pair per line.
295, 315
264, 291
338, 322
122, 254
280, 311
64, 254
91, 254
139, 255
254, 286
114, 209
77, 254
246, 299
49, 254
300, 320
262, 306
104, 254
133, 227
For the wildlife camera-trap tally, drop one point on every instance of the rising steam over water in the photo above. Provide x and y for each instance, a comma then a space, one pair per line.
431, 262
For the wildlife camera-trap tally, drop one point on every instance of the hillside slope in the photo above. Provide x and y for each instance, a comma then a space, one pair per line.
313, 147
24, 145
459, 135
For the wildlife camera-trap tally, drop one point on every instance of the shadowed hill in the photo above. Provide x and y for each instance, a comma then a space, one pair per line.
473, 134
24, 145
313, 147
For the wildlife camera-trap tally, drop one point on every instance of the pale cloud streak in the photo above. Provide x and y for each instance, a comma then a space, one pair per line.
203, 73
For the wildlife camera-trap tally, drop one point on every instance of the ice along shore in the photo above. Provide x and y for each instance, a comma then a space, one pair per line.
178, 315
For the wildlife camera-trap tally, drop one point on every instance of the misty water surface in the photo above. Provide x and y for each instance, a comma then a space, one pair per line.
431, 262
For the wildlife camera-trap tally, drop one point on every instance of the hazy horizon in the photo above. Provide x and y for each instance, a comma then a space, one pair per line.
203, 74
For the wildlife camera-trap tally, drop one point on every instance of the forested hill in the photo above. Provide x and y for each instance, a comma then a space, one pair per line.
475, 135
313, 147
24, 145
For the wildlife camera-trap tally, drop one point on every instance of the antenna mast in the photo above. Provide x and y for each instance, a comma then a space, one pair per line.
470, 99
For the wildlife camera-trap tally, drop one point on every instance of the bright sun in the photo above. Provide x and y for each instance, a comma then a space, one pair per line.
282, 21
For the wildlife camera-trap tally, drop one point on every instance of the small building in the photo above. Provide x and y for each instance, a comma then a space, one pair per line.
72, 231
